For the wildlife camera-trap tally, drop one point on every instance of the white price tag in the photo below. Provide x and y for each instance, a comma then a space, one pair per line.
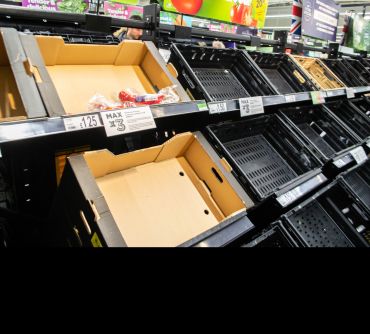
350, 93
217, 108
82, 122
334, 92
290, 98
359, 155
286, 199
251, 106
340, 163
127, 120
290, 197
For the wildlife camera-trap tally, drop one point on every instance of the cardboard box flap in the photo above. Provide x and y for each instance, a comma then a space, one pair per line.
130, 53
56, 52
175, 147
114, 163
45, 84
4, 61
26, 91
49, 47
160, 77
221, 190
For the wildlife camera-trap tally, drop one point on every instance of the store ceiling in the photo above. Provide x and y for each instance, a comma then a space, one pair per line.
279, 13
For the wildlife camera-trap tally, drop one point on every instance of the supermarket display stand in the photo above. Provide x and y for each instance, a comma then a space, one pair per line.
29, 147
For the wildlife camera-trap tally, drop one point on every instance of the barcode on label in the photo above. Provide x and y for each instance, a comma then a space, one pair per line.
340, 163
217, 108
290, 98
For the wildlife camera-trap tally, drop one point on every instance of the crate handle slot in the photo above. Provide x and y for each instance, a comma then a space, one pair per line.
84, 220
77, 234
218, 176
32, 70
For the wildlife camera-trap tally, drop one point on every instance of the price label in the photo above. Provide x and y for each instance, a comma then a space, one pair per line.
296, 193
290, 98
340, 163
251, 106
289, 197
217, 108
82, 122
350, 93
359, 155
124, 121
318, 97
334, 92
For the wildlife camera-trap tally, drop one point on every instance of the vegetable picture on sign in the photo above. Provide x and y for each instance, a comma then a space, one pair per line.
251, 13
241, 13
72, 6
190, 7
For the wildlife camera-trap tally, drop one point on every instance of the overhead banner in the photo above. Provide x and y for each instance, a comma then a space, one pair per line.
320, 19
134, 2
121, 11
69, 6
361, 33
250, 13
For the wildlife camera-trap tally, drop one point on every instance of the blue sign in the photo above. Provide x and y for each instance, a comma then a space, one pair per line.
320, 19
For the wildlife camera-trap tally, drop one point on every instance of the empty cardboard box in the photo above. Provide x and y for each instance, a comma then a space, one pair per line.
74, 73
19, 97
175, 194
318, 72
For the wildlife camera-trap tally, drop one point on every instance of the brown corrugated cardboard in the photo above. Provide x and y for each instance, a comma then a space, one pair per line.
19, 97
78, 72
161, 196
318, 72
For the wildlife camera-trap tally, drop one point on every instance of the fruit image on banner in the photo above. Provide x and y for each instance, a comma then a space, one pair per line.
251, 13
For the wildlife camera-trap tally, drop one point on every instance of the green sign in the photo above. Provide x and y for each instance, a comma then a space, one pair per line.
361, 33
251, 13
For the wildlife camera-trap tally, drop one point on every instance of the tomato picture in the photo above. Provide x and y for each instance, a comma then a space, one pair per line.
190, 7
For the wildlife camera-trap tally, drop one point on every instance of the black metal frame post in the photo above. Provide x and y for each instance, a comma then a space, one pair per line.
151, 20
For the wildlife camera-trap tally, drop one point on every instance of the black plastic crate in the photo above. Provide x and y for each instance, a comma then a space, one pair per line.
357, 180
327, 220
320, 130
275, 237
345, 72
265, 154
349, 114
366, 63
363, 105
218, 74
283, 73
82, 38
360, 68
